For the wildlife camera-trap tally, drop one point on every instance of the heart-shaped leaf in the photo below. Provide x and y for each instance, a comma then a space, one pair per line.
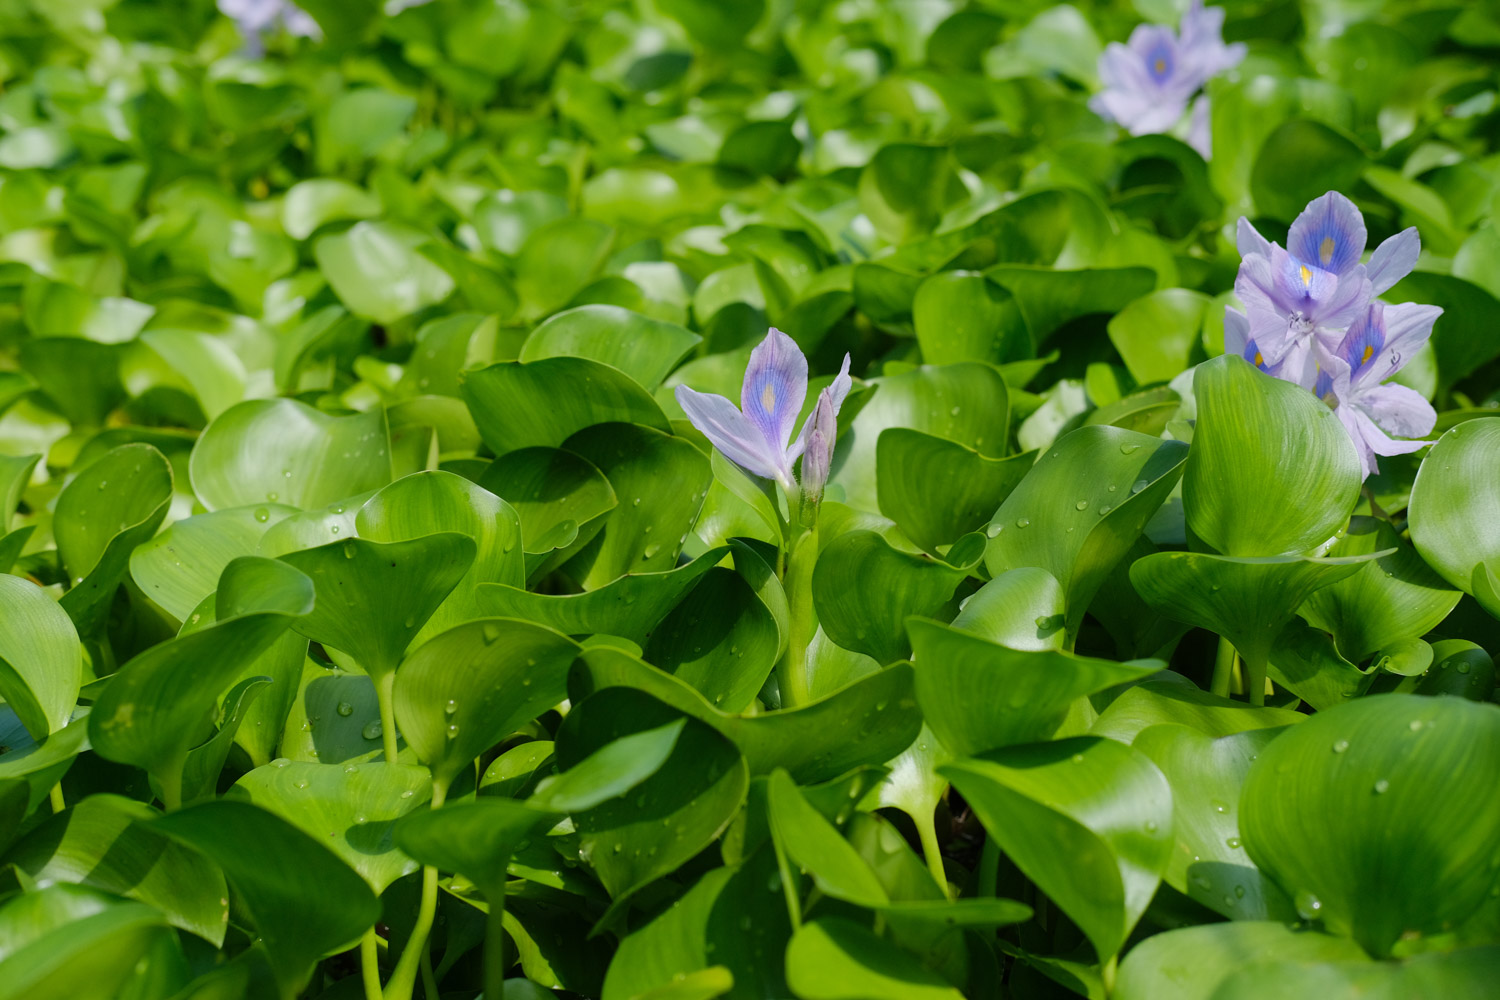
181, 566
644, 349
1272, 470
937, 490
41, 663
964, 316
1349, 793
1454, 509
1190, 963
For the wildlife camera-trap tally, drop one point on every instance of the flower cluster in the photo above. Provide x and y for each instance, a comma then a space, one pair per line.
1311, 317
755, 436
1149, 82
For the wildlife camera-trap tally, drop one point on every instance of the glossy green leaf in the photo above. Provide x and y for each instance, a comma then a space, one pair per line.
90, 958
428, 503
815, 846
1156, 334
1020, 609
181, 566
159, 705
1209, 863
560, 498
1107, 806
720, 638
836, 959
938, 490
966, 403
305, 902
1119, 477
41, 666
1192, 962
964, 316
1454, 509
467, 688
644, 349
862, 614
1438, 974
630, 607
1349, 793
377, 272
1173, 702
1271, 470
474, 838
548, 401
979, 695
374, 597
352, 809
268, 451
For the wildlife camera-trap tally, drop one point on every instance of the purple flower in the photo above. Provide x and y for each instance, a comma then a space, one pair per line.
818, 456
257, 18
1311, 318
1378, 343
755, 436
1149, 82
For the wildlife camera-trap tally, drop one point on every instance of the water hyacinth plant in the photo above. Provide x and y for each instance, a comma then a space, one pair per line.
818, 501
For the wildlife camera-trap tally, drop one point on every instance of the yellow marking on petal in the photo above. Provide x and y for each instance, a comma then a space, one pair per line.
1326, 248
1306, 275
1369, 353
768, 397
1160, 66
1260, 359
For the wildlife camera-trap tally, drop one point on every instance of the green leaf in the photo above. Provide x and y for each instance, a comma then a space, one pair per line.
978, 695
1176, 702
560, 498
159, 705
714, 25
1209, 863
267, 451
832, 958
691, 797
1051, 298
1438, 974
644, 349
429, 503
41, 664
1246, 600
311, 204
630, 607
1396, 596
938, 490
465, 689
377, 271
91, 957
815, 846
864, 590
721, 638
374, 597
200, 772
866, 722
1350, 793
966, 403
352, 809
306, 903
905, 188
1081, 508
1156, 334
108, 509
1020, 608
660, 481
1459, 345
181, 566
558, 260
1088, 820
1299, 161
964, 316
1190, 963
102, 843
1271, 470
546, 402
1454, 515
475, 839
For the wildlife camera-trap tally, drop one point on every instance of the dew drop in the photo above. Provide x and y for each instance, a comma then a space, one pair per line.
1341, 746
1138, 485
1129, 449
1151, 826
1239, 892
345, 709
1414, 725
273, 496
1219, 807
451, 707
262, 515
1233, 843
373, 730
302, 783
335, 529
281, 761
1308, 906
1022, 522
1463, 666
1381, 787
1105, 510
1082, 505
452, 730
636, 502
407, 794
993, 530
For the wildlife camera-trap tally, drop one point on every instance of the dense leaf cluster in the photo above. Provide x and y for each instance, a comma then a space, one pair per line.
374, 619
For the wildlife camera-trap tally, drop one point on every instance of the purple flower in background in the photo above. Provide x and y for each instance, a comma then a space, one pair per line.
1149, 82
257, 18
1311, 317
755, 436
1376, 346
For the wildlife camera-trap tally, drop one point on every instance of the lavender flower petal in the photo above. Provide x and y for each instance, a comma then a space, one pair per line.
727, 430
1394, 259
1330, 233
774, 388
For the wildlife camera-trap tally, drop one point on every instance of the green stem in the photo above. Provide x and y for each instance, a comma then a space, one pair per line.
404, 978
791, 672
494, 944
171, 784
58, 802
1107, 973
385, 694
429, 981
989, 866
932, 851
369, 964
1255, 680
1223, 668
